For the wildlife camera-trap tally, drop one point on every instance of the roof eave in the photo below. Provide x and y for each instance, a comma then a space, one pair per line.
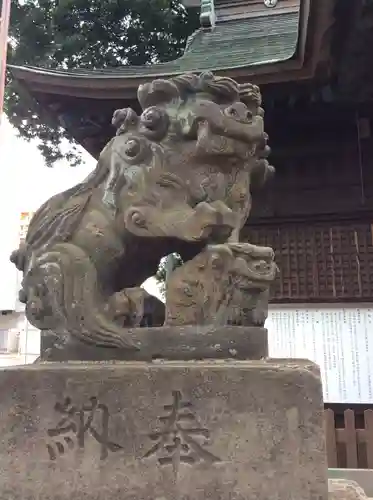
43, 81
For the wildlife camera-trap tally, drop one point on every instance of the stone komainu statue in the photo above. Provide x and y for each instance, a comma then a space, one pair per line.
175, 179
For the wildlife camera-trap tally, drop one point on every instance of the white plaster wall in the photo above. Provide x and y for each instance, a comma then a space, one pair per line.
23, 340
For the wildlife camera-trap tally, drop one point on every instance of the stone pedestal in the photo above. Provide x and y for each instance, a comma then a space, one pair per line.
222, 430
172, 343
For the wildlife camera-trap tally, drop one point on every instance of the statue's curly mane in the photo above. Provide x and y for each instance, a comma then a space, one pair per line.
224, 90
57, 219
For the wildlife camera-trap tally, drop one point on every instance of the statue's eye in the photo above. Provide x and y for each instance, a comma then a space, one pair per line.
151, 117
155, 123
132, 148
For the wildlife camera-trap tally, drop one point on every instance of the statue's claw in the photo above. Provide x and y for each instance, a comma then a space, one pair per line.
216, 221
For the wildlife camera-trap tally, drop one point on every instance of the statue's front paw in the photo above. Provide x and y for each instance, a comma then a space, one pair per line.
217, 220
226, 216
260, 314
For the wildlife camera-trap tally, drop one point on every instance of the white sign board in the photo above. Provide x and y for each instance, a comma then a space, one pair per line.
338, 338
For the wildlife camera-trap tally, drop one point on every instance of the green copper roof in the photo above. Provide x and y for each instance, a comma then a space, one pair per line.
229, 45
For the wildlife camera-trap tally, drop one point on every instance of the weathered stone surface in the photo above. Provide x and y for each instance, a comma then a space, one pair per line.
255, 431
172, 343
178, 178
343, 489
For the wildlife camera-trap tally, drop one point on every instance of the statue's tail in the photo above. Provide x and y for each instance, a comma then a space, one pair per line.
72, 297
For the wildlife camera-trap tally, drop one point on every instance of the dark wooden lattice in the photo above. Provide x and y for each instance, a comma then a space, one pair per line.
320, 262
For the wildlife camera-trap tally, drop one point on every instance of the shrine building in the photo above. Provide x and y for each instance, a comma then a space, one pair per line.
312, 60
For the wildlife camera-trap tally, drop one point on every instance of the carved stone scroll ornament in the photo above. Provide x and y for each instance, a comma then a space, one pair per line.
176, 178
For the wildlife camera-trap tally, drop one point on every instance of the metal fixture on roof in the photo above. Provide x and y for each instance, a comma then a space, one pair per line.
207, 16
270, 3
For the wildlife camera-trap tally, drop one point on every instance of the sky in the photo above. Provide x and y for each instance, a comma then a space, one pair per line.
25, 183
23, 167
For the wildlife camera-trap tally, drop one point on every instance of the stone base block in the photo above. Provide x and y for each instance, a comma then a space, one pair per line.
236, 430
167, 342
342, 489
